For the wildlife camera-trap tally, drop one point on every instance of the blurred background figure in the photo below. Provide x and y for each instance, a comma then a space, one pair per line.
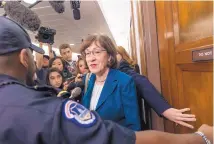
59, 63
42, 62
82, 69
66, 53
46, 59
123, 55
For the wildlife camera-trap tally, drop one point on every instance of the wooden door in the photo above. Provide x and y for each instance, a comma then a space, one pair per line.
185, 37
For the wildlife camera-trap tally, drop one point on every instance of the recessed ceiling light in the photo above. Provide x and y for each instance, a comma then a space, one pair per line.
30, 1
71, 44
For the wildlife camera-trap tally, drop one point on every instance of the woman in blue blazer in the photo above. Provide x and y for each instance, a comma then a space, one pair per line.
111, 93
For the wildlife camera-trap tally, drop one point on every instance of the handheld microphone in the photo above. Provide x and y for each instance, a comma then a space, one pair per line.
58, 6
70, 79
75, 93
73, 85
22, 15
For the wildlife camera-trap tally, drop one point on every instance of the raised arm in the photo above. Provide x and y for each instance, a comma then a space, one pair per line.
50, 51
39, 58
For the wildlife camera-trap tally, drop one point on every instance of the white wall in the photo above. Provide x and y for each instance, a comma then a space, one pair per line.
137, 34
117, 14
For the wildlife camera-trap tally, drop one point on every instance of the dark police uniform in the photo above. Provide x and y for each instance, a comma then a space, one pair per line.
34, 115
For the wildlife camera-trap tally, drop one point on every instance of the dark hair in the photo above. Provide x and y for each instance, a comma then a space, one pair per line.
65, 72
63, 46
53, 59
46, 56
79, 59
106, 43
54, 70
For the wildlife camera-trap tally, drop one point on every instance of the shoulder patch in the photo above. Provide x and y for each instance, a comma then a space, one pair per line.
78, 114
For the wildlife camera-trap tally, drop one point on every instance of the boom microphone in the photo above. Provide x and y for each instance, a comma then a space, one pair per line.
58, 6
75, 5
22, 15
2, 3
76, 13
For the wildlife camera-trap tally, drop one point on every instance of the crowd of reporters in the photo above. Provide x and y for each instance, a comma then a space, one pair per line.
64, 74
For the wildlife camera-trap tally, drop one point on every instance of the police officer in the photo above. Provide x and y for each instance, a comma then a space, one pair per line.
34, 115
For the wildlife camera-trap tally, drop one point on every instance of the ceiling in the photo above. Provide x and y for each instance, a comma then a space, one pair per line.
67, 29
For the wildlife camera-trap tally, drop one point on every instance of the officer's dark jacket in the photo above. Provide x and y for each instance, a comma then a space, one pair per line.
145, 89
36, 116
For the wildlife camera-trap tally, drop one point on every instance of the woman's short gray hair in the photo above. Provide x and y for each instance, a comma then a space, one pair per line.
106, 43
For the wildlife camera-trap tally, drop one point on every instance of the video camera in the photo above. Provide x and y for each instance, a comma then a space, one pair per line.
46, 35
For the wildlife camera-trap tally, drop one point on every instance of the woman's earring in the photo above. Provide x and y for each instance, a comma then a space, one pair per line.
109, 60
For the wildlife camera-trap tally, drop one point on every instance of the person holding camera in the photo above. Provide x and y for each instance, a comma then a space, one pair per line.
42, 62
45, 36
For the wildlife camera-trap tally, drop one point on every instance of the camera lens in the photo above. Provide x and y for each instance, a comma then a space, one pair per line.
45, 36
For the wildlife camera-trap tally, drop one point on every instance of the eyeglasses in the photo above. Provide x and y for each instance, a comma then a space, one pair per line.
94, 52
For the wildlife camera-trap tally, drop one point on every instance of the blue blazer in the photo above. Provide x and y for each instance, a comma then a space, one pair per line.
118, 100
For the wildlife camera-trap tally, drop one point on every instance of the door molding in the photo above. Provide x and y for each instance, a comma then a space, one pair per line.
152, 53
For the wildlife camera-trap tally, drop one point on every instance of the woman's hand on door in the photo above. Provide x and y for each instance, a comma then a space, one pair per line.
178, 116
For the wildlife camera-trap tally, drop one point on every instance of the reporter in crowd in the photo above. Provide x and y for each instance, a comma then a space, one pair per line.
148, 92
35, 116
58, 62
42, 62
55, 78
66, 53
82, 69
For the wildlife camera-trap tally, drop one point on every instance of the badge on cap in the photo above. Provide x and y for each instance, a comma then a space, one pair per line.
78, 114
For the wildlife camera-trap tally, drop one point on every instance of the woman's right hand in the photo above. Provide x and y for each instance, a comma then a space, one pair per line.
65, 86
78, 78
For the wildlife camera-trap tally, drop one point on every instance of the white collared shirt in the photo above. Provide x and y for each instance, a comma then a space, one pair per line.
95, 96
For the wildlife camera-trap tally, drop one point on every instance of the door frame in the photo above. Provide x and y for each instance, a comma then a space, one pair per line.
148, 11
149, 49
